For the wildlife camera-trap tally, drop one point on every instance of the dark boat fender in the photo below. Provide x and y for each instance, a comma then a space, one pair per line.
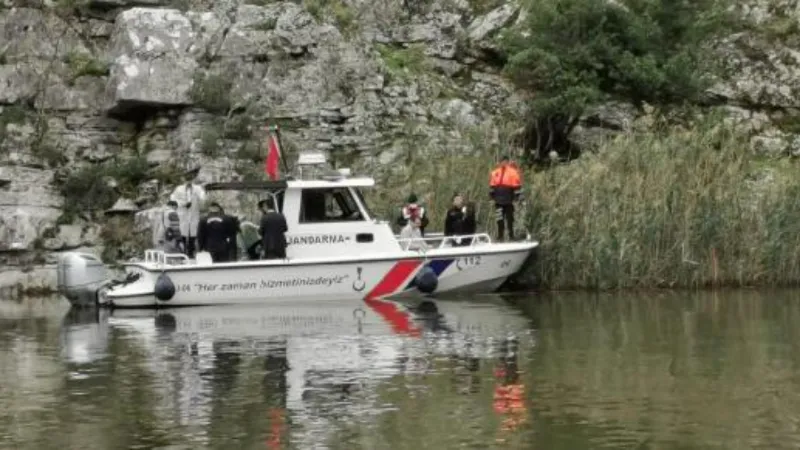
427, 281
164, 289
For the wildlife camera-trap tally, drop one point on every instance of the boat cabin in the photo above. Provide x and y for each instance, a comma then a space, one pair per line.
325, 211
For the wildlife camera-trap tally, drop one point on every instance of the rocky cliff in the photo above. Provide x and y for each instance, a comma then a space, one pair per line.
109, 99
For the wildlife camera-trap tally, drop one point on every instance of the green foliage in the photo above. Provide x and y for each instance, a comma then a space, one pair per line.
13, 114
403, 62
91, 189
121, 240
239, 127
52, 155
81, 64
481, 7
212, 92
250, 160
577, 53
210, 138
343, 15
66, 8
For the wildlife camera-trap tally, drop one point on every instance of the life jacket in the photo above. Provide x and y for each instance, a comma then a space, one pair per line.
505, 175
413, 210
172, 225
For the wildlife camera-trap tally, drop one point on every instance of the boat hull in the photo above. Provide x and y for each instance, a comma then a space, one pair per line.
456, 271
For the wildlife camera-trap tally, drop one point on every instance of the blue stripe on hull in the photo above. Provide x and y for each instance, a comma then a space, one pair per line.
437, 265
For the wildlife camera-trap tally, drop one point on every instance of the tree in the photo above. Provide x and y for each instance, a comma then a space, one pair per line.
575, 54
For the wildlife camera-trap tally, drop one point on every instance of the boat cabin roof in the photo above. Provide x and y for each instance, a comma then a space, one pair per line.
289, 183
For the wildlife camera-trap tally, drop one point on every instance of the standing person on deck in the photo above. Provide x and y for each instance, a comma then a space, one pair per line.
505, 184
167, 229
273, 230
189, 197
214, 234
413, 209
460, 221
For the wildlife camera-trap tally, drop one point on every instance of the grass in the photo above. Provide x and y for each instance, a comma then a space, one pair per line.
688, 209
343, 15
669, 208
403, 62
81, 64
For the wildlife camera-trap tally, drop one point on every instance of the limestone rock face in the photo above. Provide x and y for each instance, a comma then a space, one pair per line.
155, 57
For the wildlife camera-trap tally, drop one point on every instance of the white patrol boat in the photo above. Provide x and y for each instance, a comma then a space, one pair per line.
337, 250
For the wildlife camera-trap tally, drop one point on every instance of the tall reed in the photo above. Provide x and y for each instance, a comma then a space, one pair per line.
669, 207
677, 209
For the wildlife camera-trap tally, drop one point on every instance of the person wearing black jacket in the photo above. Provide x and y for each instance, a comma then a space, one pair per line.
273, 228
233, 226
460, 221
213, 234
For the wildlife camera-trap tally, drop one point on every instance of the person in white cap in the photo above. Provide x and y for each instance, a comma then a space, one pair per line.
189, 197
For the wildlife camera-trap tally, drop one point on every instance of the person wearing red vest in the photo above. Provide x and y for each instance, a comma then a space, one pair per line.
505, 184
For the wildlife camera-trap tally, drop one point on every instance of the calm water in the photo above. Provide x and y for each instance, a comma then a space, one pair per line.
571, 371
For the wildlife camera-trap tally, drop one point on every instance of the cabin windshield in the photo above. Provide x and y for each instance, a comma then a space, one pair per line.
363, 201
329, 205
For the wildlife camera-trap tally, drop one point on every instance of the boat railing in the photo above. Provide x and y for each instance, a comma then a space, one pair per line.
450, 241
166, 259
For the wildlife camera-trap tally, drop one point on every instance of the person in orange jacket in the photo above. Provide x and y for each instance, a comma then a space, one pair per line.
509, 392
505, 185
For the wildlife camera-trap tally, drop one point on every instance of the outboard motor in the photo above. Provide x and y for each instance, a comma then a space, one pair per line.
80, 276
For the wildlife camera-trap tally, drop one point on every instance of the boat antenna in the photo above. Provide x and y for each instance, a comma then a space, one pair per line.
276, 129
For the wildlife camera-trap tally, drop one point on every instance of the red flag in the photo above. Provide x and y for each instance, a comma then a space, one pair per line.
273, 156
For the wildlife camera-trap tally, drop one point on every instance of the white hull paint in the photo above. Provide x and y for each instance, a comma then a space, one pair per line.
477, 269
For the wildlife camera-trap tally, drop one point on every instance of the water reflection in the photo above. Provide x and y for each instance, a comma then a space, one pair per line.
559, 372
276, 376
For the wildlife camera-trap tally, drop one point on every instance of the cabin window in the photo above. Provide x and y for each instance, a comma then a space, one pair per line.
328, 205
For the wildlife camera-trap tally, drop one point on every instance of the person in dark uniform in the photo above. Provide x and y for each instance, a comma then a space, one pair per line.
213, 232
272, 228
234, 227
460, 221
470, 225
454, 220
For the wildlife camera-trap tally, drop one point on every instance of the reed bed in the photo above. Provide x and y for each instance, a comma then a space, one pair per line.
672, 207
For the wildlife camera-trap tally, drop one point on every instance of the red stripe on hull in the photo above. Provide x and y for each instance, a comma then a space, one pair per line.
394, 279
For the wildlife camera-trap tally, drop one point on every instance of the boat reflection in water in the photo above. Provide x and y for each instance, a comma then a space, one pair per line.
320, 362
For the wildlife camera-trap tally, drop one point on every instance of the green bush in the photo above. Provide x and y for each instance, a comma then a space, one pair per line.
212, 93
575, 54
92, 189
